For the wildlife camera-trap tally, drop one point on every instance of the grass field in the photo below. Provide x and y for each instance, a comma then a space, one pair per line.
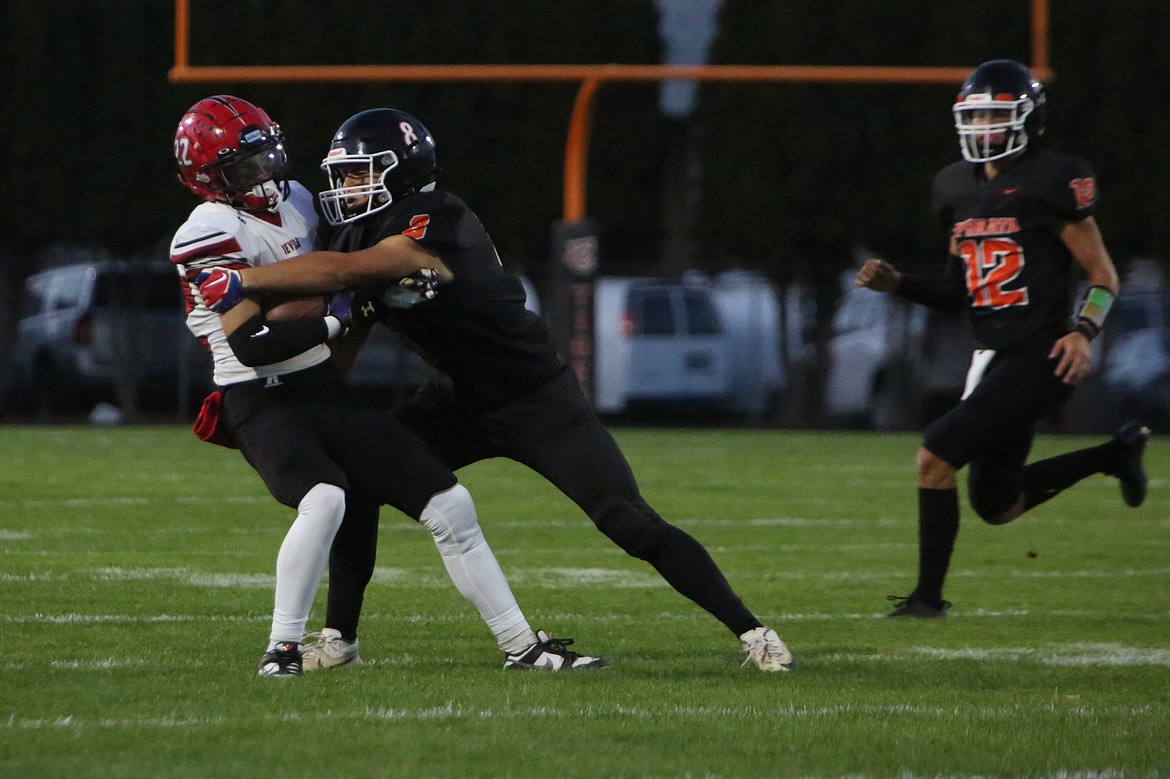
136, 595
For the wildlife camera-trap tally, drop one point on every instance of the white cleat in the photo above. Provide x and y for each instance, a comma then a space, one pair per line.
329, 650
764, 648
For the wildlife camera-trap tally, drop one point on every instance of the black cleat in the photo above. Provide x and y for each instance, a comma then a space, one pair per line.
1131, 444
913, 606
282, 660
551, 654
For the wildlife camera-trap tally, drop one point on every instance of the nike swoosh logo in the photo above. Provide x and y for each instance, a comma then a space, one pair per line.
1011, 190
260, 332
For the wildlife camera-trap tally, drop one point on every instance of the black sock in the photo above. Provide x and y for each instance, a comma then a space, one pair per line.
1046, 479
351, 565
938, 526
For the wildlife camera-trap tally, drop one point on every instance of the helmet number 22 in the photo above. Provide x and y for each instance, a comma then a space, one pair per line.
183, 151
992, 264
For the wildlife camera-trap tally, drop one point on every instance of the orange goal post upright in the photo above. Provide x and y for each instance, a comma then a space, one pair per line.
590, 78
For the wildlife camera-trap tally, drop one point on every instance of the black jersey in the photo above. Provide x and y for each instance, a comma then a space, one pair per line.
476, 330
1017, 269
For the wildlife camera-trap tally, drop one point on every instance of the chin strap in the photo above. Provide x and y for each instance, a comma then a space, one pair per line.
1093, 310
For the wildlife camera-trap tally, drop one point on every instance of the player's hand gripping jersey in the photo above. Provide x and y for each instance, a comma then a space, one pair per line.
1015, 267
476, 330
219, 236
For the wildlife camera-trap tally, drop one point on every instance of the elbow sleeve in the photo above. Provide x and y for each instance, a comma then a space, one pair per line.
259, 342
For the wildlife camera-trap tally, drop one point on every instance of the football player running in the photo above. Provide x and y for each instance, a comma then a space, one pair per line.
281, 397
1020, 218
506, 391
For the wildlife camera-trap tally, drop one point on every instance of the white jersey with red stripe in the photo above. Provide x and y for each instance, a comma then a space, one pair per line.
216, 235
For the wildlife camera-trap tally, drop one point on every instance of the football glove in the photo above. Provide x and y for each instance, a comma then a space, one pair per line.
340, 308
221, 288
413, 289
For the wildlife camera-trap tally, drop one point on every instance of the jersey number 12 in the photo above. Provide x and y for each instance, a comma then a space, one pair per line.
992, 264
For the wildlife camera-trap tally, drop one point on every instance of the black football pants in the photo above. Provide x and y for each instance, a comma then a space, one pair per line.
554, 432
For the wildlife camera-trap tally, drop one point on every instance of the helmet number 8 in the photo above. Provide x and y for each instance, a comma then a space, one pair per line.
408, 135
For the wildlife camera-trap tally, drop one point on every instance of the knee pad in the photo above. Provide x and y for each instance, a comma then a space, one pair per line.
633, 526
450, 516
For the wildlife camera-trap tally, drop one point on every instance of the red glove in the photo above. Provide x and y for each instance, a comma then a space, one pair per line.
221, 289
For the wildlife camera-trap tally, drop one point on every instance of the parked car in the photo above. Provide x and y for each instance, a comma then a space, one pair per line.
893, 364
104, 331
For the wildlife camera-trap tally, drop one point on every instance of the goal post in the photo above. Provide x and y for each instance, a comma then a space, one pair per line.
590, 78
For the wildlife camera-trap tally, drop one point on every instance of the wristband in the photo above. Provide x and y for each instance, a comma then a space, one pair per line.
1086, 328
1093, 310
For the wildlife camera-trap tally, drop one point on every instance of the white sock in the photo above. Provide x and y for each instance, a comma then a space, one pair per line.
302, 560
450, 516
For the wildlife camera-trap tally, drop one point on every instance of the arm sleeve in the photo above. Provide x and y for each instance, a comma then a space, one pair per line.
258, 342
946, 291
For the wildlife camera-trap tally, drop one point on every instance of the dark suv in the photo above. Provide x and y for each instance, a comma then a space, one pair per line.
108, 330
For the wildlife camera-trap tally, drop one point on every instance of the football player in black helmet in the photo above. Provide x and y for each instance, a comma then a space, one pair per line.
507, 393
1000, 107
1020, 220
390, 152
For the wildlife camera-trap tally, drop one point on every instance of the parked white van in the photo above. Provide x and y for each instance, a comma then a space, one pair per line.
695, 343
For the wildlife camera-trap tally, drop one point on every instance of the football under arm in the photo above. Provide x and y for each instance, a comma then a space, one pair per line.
255, 341
323, 271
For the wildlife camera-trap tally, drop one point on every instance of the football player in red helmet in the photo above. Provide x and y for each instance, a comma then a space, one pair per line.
281, 402
1020, 219
230, 151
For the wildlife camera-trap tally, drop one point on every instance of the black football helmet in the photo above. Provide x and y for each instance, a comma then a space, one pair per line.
385, 155
1000, 107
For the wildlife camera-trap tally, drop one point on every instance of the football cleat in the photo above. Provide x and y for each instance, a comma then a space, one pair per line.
328, 650
551, 654
1131, 445
765, 649
913, 606
284, 659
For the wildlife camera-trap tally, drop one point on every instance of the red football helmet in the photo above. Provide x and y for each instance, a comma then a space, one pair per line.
230, 151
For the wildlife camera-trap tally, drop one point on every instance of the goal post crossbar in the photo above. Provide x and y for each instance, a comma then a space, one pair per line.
590, 78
